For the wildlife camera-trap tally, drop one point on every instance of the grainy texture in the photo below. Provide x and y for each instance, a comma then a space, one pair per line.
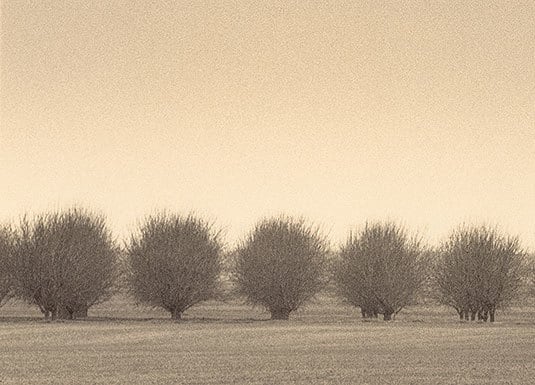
263, 352
310, 349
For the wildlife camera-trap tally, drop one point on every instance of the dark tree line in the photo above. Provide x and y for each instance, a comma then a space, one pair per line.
65, 262
6, 279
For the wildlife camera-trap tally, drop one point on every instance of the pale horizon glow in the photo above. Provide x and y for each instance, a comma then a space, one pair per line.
342, 112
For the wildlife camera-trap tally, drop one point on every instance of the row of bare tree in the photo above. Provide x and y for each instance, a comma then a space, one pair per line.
65, 262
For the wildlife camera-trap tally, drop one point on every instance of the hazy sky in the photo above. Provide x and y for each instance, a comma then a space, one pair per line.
342, 111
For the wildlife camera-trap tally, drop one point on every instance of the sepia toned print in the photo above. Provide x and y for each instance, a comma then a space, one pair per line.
267, 192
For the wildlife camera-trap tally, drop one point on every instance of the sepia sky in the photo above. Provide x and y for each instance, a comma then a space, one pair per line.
341, 111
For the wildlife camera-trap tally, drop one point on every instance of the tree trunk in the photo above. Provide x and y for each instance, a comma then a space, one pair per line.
472, 316
368, 313
280, 314
64, 313
466, 315
491, 313
461, 315
81, 313
176, 314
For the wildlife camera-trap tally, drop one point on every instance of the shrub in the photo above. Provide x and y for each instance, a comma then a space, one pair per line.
174, 262
64, 262
478, 271
281, 265
380, 269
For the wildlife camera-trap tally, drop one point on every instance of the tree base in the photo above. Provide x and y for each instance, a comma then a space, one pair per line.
369, 313
280, 314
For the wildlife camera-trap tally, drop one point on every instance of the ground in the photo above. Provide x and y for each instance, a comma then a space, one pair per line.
227, 343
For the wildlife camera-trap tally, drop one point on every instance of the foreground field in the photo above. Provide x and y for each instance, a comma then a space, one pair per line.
230, 344
162, 352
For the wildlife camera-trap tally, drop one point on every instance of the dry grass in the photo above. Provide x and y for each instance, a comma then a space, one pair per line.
228, 343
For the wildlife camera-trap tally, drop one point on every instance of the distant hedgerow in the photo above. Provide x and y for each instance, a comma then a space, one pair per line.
6, 241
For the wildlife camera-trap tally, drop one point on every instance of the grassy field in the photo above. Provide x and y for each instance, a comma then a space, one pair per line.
229, 343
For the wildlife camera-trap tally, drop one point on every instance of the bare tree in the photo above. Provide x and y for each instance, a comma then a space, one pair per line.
380, 269
174, 262
478, 271
6, 240
281, 265
64, 262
